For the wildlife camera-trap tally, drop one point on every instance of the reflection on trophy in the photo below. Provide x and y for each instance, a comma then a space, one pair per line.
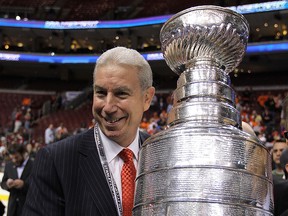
204, 164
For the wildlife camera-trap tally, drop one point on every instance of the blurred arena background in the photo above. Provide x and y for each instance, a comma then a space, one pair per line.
48, 50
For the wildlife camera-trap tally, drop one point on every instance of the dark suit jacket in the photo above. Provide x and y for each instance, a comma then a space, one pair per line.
68, 179
17, 196
280, 197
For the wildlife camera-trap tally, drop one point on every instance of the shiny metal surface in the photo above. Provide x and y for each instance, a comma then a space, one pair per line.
203, 111
206, 33
204, 164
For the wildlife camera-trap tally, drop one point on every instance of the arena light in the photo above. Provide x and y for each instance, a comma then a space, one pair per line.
261, 7
243, 9
256, 48
252, 49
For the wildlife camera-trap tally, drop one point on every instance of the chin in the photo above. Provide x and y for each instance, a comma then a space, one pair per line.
113, 134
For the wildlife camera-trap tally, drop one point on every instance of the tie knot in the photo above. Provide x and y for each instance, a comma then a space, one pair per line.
126, 155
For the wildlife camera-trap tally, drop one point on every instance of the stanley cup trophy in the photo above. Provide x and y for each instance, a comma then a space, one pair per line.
204, 164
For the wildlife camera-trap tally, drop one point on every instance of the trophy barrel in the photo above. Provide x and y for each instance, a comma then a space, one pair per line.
203, 170
204, 163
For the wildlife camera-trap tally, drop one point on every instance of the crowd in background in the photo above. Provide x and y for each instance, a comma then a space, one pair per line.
263, 111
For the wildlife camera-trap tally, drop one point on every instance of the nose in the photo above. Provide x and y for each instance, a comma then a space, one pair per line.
110, 105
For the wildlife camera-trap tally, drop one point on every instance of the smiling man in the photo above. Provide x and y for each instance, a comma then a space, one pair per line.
119, 100
93, 173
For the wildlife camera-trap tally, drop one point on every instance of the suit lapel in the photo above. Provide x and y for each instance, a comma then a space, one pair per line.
143, 136
27, 169
92, 170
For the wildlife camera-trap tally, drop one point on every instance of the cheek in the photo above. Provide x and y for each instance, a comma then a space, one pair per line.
138, 110
138, 105
95, 108
96, 103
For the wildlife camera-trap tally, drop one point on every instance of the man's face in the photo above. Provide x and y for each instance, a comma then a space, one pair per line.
278, 147
119, 102
17, 159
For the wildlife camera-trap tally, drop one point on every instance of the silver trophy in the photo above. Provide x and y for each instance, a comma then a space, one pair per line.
204, 163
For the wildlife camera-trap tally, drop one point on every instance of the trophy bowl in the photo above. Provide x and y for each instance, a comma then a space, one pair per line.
204, 33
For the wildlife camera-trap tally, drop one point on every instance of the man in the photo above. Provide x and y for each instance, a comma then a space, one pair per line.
49, 134
15, 178
281, 188
278, 147
82, 174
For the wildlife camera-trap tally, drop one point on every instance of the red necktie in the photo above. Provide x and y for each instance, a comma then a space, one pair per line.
128, 175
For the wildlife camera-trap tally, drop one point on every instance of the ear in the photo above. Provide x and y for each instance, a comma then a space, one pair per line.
148, 96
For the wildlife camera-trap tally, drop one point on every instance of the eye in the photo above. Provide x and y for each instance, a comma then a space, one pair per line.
122, 94
100, 93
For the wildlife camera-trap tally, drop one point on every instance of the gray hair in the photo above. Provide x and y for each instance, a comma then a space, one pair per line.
126, 56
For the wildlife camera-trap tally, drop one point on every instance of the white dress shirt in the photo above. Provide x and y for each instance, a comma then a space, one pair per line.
112, 149
21, 168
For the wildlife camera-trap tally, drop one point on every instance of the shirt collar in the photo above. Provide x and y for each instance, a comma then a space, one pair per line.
24, 163
112, 149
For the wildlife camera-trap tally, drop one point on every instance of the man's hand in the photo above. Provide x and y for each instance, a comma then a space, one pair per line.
17, 183
10, 183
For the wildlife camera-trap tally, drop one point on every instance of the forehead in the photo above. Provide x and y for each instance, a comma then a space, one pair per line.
15, 155
116, 75
279, 145
112, 68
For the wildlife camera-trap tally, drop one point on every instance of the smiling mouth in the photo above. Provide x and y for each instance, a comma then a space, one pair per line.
111, 121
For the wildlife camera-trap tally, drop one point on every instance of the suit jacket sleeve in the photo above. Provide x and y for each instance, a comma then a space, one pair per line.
45, 194
5, 178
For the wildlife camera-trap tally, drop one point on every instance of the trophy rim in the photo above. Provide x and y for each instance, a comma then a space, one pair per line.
204, 7
237, 18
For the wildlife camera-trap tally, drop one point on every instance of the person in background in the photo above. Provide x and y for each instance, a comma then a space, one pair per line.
144, 124
27, 119
280, 187
93, 173
49, 134
31, 151
278, 147
61, 132
15, 178
18, 120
